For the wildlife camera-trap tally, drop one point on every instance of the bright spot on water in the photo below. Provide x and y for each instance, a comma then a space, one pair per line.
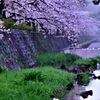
97, 72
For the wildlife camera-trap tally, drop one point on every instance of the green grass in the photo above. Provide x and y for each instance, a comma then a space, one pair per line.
2, 70
23, 27
91, 61
34, 84
56, 59
9, 24
97, 59
81, 61
84, 78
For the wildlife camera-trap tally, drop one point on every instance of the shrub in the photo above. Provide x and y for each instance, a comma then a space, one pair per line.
83, 78
56, 59
81, 61
90, 61
2, 69
34, 76
97, 59
23, 26
49, 58
70, 58
8, 23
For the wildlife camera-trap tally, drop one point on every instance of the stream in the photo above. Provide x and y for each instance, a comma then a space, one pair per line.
94, 85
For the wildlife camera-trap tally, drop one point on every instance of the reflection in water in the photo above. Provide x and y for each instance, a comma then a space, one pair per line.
94, 85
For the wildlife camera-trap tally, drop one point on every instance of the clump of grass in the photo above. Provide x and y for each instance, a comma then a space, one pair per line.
56, 59
9, 24
34, 76
97, 59
70, 58
81, 61
83, 78
2, 70
24, 85
23, 26
90, 61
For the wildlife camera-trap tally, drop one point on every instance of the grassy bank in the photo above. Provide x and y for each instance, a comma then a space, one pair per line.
34, 84
56, 59
44, 81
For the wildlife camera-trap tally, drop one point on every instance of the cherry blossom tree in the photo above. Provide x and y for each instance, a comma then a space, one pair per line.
67, 16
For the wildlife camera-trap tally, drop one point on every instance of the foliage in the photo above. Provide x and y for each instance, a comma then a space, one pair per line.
72, 57
23, 27
81, 61
92, 61
97, 59
12, 85
9, 23
84, 78
56, 59
2, 70
34, 76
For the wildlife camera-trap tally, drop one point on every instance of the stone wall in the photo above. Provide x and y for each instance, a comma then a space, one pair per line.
18, 49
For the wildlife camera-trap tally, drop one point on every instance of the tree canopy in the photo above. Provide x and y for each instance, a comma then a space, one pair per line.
51, 15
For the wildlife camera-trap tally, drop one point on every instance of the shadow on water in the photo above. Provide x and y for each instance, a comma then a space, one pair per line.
93, 86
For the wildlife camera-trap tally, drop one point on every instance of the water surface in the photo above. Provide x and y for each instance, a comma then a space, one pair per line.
94, 85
